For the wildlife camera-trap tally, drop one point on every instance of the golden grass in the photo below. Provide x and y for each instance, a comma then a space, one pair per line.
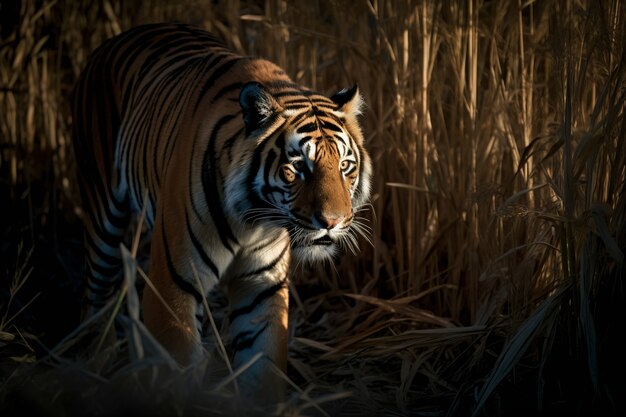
498, 137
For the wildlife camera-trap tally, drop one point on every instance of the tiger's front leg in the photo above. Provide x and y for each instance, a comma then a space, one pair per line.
259, 300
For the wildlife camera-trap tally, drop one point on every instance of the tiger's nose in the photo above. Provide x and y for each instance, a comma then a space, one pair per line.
329, 220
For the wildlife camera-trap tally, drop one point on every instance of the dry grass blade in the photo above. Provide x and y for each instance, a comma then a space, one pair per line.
107, 333
7, 321
304, 396
402, 307
149, 344
235, 374
613, 249
216, 332
129, 266
518, 344
19, 279
313, 344
77, 334
158, 295
412, 339
587, 324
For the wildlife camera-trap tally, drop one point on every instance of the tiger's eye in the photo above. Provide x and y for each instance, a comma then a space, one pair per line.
286, 174
345, 165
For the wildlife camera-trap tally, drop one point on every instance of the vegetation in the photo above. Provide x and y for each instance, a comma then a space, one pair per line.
494, 282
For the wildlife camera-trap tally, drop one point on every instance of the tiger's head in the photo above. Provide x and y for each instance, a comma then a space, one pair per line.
309, 171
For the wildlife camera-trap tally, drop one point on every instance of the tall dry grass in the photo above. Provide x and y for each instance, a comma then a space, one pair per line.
495, 278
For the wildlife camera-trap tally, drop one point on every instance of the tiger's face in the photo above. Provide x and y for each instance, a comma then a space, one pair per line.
310, 172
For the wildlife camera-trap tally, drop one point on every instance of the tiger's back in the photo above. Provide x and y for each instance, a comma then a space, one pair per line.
238, 169
136, 77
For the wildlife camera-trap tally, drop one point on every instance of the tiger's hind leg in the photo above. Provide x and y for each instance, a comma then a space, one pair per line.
105, 205
106, 222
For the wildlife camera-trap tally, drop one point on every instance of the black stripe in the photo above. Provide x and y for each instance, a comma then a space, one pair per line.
169, 146
304, 140
280, 141
307, 128
100, 291
146, 144
104, 281
178, 279
167, 57
246, 339
289, 199
114, 123
210, 186
200, 249
127, 57
340, 139
283, 159
298, 118
266, 190
165, 54
108, 271
228, 143
190, 180
267, 169
359, 154
330, 115
351, 171
293, 93
133, 136
161, 50
297, 101
294, 107
331, 126
225, 90
174, 110
322, 101
108, 131
253, 169
262, 130
217, 73
262, 296
265, 268
304, 219
110, 259
281, 85
156, 151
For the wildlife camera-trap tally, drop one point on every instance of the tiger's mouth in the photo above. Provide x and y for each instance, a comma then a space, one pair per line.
312, 245
323, 241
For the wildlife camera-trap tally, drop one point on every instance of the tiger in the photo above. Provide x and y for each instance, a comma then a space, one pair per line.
239, 172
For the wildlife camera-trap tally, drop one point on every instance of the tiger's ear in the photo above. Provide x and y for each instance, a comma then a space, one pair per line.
257, 104
349, 101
